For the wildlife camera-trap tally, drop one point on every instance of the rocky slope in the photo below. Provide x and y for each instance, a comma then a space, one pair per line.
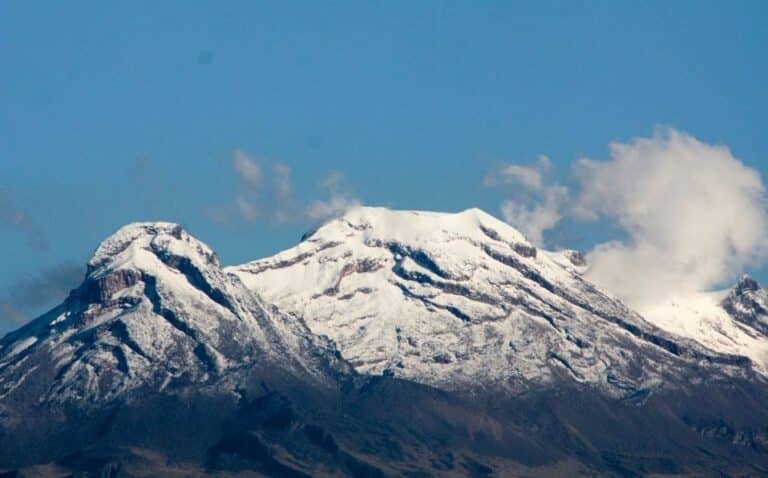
464, 300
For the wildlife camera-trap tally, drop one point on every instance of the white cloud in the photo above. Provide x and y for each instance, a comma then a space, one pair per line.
267, 193
332, 207
338, 202
249, 173
530, 176
281, 201
532, 219
694, 216
533, 206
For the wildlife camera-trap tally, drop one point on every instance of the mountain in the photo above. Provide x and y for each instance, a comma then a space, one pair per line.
386, 343
155, 310
155, 315
464, 300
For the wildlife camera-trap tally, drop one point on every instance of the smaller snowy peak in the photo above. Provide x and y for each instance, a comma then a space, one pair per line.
131, 245
128, 235
155, 310
154, 301
148, 252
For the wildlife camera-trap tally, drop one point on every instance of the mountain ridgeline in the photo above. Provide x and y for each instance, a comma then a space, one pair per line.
386, 343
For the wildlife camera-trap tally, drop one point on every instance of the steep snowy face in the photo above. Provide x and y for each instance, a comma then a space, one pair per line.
155, 310
730, 321
464, 300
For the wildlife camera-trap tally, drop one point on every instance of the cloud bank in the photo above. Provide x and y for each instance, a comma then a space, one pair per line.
693, 215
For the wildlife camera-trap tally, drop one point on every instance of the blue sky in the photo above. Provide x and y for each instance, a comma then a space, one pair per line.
117, 113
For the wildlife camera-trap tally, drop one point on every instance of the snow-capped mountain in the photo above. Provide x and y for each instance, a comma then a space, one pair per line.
387, 343
458, 300
731, 321
155, 310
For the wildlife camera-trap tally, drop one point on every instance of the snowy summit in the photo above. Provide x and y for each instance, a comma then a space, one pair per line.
457, 300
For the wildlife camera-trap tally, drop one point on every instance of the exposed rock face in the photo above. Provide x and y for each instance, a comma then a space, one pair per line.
101, 290
748, 304
577, 258
463, 301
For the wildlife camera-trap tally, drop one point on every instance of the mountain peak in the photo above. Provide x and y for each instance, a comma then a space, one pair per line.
457, 300
155, 309
139, 245
413, 226
746, 283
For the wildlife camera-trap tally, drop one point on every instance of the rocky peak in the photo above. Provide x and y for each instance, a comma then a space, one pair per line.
746, 284
748, 303
577, 258
142, 251
127, 247
156, 310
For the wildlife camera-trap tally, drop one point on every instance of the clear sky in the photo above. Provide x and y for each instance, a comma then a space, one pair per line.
112, 113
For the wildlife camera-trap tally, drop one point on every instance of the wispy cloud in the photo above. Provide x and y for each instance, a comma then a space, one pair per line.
266, 192
247, 169
283, 202
338, 201
45, 289
247, 207
250, 177
531, 176
282, 181
12, 217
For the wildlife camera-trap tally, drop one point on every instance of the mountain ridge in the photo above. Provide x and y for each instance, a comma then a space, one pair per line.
163, 361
